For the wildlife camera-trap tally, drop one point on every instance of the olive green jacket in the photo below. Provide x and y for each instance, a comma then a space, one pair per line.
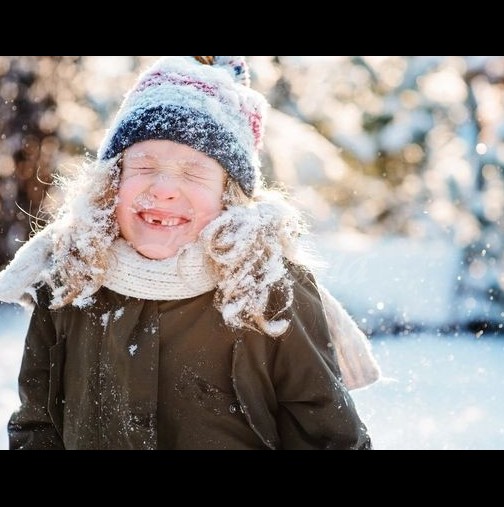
127, 373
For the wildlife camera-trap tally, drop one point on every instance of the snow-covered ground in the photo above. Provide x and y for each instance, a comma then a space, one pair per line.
438, 392
13, 324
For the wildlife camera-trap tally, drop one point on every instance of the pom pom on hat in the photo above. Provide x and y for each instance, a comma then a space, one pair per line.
204, 102
236, 65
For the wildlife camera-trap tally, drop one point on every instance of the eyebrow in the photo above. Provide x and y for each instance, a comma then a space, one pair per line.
140, 156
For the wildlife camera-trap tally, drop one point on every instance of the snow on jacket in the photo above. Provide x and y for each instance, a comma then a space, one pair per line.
129, 373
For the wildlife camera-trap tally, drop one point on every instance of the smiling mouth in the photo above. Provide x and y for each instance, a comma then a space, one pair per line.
162, 221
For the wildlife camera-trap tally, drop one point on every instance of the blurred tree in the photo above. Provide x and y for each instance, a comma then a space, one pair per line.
52, 113
480, 284
29, 142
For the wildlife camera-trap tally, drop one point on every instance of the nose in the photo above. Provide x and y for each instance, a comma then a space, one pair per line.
165, 187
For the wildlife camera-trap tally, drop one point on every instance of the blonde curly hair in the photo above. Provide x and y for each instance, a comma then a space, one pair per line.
84, 229
246, 246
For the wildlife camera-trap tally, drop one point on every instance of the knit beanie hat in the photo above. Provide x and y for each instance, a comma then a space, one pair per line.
204, 102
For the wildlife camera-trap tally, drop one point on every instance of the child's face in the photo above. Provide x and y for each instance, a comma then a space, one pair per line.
169, 192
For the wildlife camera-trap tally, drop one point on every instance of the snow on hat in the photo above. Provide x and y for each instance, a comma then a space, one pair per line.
204, 102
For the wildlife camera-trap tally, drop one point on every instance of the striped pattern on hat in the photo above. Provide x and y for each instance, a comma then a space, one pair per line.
203, 102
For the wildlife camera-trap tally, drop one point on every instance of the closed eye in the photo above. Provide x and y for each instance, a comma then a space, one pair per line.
195, 173
133, 171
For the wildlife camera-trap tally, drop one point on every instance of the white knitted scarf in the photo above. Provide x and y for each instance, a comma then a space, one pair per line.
181, 277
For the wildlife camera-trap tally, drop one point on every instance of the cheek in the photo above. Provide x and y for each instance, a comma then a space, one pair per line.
129, 188
126, 195
207, 206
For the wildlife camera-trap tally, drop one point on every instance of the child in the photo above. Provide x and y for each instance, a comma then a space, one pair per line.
171, 310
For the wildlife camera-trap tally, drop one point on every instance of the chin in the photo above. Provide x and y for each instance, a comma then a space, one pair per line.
157, 252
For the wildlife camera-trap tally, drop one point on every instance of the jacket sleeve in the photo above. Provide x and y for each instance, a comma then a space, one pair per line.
31, 426
315, 409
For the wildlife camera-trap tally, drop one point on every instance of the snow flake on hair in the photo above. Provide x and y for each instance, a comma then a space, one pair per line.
86, 232
70, 254
246, 246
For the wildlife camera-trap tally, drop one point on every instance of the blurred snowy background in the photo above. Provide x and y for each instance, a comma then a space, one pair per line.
397, 162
